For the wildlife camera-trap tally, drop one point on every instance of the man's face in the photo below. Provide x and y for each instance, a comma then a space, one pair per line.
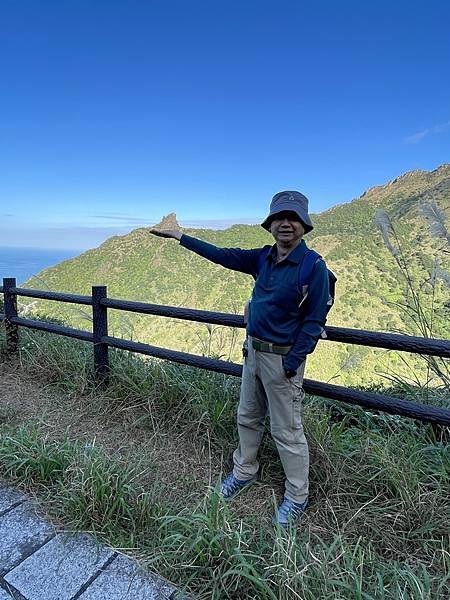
286, 227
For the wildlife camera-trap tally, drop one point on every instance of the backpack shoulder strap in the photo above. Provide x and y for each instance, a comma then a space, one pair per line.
304, 278
306, 269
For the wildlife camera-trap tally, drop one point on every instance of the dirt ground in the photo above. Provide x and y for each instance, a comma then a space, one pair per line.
180, 464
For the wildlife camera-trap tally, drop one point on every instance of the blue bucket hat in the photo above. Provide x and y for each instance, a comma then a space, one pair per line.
293, 201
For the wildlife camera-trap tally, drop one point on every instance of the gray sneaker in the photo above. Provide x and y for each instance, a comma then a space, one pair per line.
231, 486
289, 512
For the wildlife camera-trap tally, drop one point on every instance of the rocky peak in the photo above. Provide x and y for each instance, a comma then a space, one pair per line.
445, 167
409, 175
418, 177
168, 222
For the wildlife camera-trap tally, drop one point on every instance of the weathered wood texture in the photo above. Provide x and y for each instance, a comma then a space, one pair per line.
10, 303
369, 400
58, 296
79, 334
389, 341
100, 331
102, 341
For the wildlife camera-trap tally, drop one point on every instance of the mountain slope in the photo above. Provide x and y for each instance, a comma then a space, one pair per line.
139, 266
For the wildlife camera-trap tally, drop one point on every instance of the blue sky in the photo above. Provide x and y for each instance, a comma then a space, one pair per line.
115, 113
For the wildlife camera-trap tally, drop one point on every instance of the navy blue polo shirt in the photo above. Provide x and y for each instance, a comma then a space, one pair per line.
274, 314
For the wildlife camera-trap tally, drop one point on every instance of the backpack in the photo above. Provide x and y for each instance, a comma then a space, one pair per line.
304, 275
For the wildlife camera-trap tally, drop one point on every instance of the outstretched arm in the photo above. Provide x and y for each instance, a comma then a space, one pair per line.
245, 261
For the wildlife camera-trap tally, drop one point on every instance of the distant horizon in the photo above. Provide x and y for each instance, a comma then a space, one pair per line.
98, 235
41, 249
23, 263
208, 109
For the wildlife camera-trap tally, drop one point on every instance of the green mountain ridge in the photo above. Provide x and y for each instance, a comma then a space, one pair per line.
139, 266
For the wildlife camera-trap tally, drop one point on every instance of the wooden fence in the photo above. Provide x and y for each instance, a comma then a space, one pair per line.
102, 341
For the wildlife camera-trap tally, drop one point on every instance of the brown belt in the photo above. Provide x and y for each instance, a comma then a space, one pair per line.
269, 347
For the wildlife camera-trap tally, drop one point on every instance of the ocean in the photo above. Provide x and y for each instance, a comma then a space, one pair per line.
22, 263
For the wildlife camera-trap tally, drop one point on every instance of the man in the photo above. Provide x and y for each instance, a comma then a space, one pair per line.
283, 327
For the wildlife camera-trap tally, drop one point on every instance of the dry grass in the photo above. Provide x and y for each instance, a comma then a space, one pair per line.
162, 454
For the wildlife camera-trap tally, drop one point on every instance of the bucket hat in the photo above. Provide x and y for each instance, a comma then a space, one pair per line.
293, 201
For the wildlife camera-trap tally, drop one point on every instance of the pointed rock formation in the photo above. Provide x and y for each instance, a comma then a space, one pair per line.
168, 222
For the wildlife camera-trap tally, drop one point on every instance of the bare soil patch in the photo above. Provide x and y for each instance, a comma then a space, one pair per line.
180, 465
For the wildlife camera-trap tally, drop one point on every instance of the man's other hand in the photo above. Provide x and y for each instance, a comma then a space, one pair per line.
167, 233
289, 373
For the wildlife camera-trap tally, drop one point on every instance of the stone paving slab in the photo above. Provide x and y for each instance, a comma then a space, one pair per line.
59, 569
41, 564
123, 580
21, 532
9, 497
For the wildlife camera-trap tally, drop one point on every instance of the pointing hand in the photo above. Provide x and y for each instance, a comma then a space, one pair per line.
167, 233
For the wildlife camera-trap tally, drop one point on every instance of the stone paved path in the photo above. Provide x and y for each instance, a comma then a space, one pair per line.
39, 563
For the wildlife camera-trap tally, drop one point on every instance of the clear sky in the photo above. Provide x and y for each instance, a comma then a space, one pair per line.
114, 113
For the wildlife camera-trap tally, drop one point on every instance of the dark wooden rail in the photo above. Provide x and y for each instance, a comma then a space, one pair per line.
102, 341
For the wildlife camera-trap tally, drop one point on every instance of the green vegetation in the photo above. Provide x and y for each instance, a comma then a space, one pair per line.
418, 302
140, 267
137, 463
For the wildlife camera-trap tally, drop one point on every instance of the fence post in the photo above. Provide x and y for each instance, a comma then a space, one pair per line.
100, 329
12, 330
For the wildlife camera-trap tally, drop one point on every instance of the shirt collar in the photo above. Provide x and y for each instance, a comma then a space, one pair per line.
295, 256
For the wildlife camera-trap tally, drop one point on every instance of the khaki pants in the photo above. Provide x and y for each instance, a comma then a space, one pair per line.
265, 388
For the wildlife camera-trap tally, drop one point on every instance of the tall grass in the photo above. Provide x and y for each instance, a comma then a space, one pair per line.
379, 520
419, 302
207, 550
